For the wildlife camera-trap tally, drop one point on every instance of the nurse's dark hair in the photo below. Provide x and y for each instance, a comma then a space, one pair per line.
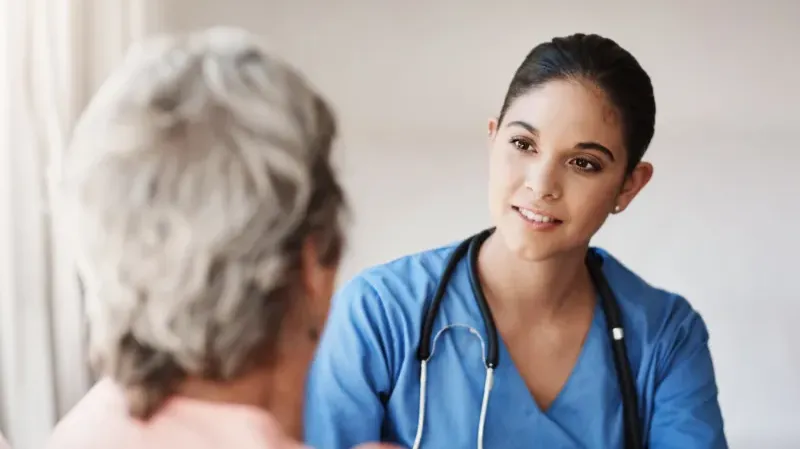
601, 61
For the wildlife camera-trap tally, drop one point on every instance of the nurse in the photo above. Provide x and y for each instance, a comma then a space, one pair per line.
565, 152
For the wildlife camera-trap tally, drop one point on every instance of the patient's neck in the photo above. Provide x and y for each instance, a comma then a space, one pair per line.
278, 390
251, 390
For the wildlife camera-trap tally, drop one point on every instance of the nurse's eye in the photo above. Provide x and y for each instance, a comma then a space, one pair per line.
586, 165
523, 145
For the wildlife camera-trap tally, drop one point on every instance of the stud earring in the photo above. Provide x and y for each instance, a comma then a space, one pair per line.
617, 209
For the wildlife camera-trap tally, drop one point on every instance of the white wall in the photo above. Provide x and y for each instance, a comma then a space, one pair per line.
414, 83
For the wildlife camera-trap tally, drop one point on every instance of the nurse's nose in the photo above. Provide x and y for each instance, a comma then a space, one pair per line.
542, 178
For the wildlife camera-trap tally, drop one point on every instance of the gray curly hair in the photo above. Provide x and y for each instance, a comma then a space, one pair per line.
191, 182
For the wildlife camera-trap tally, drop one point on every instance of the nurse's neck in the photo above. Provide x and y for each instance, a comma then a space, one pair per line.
539, 290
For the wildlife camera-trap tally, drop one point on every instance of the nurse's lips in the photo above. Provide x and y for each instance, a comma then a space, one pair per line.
537, 219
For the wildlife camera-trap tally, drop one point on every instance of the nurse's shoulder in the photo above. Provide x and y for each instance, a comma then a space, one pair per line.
659, 323
668, 347
371, 330
407, 280
390, 296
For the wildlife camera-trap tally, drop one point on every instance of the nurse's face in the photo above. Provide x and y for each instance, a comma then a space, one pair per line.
557, 169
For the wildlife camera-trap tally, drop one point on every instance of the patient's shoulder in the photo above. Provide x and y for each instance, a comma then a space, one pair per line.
101, 420
99, 416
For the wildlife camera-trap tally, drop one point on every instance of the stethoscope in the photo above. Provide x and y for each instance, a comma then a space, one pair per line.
427, 346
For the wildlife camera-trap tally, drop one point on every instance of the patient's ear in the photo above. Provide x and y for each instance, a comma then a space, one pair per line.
318, 279
318, 284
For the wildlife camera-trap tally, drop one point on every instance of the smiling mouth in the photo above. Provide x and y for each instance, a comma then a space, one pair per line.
536, 218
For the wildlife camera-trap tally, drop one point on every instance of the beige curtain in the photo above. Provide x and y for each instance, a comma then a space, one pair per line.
53, 55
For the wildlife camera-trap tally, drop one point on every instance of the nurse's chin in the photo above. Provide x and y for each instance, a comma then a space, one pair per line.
529, 253
533, 246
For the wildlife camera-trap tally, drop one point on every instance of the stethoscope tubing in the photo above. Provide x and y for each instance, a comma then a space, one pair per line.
469, 248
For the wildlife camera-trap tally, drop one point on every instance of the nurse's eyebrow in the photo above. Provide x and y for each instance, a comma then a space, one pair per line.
597, 147
524, 125
580, 145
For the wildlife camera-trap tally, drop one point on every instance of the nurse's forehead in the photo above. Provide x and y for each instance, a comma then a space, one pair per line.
570, 107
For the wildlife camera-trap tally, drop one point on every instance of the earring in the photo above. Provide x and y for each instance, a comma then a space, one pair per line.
617, 209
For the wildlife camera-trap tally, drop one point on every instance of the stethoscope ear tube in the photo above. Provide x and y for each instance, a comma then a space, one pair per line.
424, 349
630, 409
492, 347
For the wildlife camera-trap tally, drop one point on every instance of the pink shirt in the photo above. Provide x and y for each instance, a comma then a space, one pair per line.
3, 443
100, 421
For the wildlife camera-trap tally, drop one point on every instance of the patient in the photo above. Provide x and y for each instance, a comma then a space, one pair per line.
200, 198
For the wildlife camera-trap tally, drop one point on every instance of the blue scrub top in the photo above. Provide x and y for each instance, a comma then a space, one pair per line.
364, 382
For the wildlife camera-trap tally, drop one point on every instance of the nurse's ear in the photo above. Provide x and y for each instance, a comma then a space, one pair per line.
493, 126
634, 183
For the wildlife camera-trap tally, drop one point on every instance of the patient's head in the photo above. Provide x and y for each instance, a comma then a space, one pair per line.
200, 198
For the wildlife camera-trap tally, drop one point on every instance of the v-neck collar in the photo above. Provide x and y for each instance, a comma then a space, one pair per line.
510, 387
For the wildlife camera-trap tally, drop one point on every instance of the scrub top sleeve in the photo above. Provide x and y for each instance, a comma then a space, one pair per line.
686, 412
350, 372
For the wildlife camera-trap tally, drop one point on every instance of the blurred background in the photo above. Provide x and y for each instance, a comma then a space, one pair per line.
414, 83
